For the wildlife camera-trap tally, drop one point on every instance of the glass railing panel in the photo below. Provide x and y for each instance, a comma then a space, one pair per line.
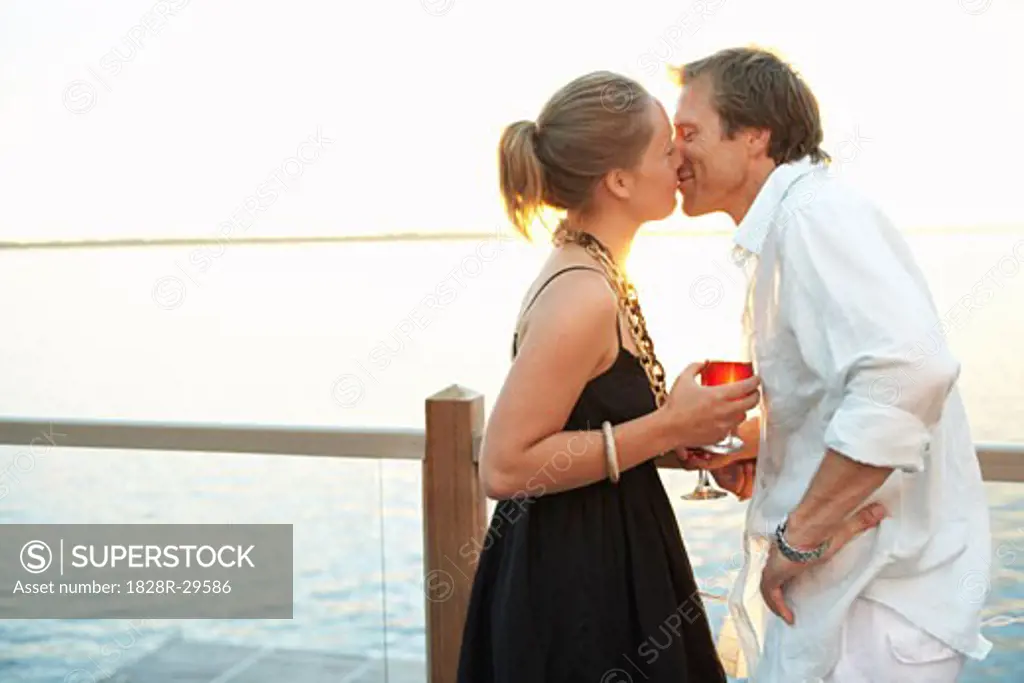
358, 597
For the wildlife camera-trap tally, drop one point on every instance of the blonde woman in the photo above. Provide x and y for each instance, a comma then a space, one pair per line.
585, 576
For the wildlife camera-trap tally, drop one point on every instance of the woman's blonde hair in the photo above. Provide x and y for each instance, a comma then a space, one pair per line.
594, 124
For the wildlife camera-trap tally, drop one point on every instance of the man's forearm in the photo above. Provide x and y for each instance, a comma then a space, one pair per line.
839, 488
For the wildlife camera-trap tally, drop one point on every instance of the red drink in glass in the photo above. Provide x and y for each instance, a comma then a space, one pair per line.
715, 373
718, 372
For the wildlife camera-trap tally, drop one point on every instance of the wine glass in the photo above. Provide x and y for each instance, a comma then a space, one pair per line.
716, 373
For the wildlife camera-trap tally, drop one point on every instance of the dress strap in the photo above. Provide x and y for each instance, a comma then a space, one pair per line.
515, 336
552, 277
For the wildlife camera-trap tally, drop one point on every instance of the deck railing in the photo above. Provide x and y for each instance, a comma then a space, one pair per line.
454, 507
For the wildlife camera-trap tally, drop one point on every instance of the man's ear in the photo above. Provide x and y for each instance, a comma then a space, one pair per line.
758, 141
618, 183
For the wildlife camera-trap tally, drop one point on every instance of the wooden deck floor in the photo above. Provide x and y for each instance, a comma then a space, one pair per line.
184, 661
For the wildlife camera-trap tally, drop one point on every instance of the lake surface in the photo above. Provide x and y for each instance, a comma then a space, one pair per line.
359, 334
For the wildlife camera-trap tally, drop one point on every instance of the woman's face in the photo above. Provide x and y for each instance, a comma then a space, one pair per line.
652, 195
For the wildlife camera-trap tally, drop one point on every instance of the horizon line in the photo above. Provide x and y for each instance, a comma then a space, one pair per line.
137, 242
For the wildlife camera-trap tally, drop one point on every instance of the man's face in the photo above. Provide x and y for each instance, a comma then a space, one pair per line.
714, 168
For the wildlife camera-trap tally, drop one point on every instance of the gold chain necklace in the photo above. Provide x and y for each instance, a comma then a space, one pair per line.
629, 304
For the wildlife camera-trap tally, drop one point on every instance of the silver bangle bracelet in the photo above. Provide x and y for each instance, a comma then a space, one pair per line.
611, 455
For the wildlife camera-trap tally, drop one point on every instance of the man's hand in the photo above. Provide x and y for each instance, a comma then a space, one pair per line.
779, 571
737, 478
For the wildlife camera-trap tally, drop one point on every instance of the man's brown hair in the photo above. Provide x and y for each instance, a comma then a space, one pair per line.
753, 88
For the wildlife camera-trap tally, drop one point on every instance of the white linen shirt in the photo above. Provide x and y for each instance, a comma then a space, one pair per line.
852, 357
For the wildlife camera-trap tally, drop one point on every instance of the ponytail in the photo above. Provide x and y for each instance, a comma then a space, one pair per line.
521, 175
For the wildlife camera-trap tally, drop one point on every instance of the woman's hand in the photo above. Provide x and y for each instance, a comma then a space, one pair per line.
704, 415
749, 432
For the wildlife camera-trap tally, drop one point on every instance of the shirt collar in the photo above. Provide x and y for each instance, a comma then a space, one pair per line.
753, 229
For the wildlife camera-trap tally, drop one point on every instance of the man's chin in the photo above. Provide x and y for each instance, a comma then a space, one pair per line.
691, 208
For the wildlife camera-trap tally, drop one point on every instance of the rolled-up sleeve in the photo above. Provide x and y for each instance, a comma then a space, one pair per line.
864, 320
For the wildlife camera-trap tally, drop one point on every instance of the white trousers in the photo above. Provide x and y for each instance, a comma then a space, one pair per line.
880, 646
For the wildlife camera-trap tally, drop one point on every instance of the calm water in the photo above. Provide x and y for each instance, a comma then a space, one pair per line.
360, 334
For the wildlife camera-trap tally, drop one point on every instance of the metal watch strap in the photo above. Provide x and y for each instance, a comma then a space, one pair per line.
791, 553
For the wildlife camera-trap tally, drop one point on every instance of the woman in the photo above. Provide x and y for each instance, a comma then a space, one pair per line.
586, 578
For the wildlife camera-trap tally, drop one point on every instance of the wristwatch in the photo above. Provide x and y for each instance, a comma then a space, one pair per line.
792, 554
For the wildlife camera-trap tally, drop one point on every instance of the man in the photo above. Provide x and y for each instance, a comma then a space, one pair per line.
859, 404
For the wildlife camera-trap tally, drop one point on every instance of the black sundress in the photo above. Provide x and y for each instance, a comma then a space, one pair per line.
590, 585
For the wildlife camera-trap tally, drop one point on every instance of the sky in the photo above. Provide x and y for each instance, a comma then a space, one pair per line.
172, 118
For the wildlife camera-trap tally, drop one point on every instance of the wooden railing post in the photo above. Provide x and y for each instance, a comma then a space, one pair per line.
454, 522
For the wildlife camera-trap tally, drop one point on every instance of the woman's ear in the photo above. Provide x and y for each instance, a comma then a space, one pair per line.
619, 183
